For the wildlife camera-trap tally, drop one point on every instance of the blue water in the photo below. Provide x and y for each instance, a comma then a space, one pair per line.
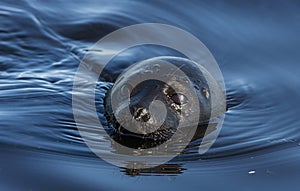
256, 44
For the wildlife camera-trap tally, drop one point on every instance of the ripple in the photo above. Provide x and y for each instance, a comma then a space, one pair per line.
42, 44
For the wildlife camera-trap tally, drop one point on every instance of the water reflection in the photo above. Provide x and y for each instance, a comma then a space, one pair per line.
164, 169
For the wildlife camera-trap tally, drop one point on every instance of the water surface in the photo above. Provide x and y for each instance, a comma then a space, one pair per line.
256, 45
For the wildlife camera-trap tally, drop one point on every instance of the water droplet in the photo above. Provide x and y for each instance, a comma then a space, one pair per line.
156, 68
126, 89
252, 172
148, 72
205, 92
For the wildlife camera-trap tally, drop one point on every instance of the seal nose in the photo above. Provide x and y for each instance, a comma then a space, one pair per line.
140, 113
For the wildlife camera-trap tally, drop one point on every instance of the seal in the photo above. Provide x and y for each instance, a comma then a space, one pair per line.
157, 95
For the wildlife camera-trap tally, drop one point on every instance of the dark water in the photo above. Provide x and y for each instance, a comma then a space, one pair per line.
256, 44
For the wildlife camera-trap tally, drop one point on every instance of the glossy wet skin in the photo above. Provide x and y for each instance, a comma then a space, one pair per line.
179, 105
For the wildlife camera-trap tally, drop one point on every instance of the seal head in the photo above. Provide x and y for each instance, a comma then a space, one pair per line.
153, 99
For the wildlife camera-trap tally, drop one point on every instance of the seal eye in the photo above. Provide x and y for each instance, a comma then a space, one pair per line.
179, 99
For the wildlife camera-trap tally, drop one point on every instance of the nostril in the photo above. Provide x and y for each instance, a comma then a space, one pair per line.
145, 117
137, 110
140, 113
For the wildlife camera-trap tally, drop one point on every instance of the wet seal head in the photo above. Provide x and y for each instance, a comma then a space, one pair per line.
162, 99
157, 97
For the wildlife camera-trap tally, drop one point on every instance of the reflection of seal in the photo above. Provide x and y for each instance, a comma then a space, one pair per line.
174, 94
